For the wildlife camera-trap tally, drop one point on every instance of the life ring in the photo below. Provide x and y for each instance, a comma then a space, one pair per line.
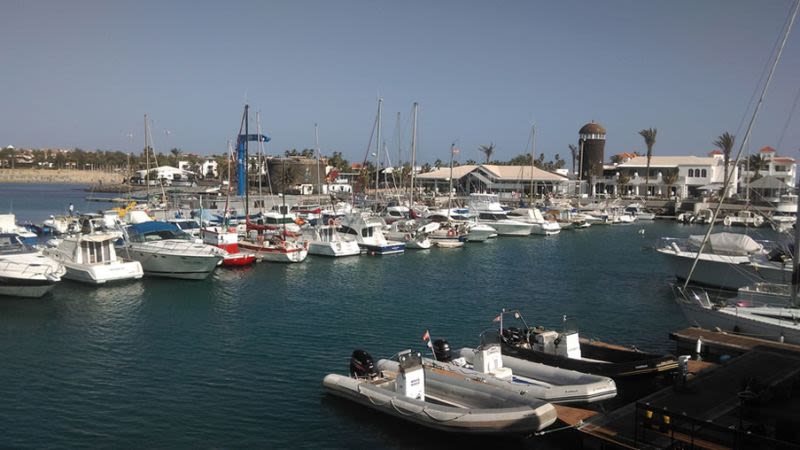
727, 221
451, 232
331, 222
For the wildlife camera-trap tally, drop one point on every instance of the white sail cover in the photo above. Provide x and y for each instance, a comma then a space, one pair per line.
727, 244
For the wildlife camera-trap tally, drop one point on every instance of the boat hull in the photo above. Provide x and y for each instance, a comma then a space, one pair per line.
600, 359
729, 319
724, 272
162, 264
334, 249
392, 248
103, 273
512, 420
20, 287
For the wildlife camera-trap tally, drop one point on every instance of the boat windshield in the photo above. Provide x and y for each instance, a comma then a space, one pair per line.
10, 244
160, 234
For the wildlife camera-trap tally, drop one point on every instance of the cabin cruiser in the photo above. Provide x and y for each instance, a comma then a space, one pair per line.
487, 209
457, 225
274, 247
24, 271
368, 231
541, 225
166, 251
636, 210
394, 213
412, 233
324, 240
728, 261
90, 256
419, 393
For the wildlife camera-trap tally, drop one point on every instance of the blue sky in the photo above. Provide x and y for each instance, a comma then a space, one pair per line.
84, 73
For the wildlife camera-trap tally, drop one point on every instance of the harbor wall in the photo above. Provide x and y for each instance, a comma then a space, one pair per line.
67, 176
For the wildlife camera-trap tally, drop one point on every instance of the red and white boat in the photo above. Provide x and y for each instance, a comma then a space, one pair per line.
228, 240
273, 247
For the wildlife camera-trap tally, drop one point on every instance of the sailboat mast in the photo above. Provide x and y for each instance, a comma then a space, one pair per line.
146, 162
319, 158
246, 156
450, 178
378, 151
741, 148
413, 150
259, 156
533, 157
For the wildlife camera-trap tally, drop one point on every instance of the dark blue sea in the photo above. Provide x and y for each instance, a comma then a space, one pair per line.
237, 360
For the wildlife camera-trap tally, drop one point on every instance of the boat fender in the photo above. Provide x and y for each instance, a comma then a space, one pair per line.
331, 222
451, 232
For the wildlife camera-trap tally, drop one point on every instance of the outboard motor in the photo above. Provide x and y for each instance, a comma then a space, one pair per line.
361, 365
441, 349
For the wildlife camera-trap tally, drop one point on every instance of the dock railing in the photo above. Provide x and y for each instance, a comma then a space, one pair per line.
659, 427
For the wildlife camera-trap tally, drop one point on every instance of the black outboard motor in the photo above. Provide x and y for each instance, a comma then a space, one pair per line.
361, 365
441, 349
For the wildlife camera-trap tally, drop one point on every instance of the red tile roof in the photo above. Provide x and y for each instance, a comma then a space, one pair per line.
767, 149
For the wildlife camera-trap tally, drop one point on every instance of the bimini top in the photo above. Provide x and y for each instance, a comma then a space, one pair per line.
154, 230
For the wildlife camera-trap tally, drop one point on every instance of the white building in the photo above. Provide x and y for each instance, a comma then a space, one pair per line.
167, 174
693, 176
208, 168
782, 168
507, 181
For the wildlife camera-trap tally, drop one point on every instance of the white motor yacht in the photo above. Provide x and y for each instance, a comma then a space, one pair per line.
90, 256
326, 241
412, 233
166, 251
487, 209
533, 216
368, 231
24, 271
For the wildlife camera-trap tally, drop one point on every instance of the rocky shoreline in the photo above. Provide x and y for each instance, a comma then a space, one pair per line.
60, 176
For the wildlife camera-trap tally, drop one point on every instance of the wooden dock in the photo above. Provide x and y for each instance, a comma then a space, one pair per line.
745, 402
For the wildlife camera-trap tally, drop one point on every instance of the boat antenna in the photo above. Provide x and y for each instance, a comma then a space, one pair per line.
739, 154
246, 163
378, 152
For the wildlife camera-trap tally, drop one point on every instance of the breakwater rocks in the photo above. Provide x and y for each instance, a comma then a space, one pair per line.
59, 176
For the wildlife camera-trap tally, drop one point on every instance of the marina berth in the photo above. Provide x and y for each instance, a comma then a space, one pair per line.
165, 251
419, 393
90, 256
24, 271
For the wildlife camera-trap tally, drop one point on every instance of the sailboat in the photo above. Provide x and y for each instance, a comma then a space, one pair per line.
737, 316
325, 239
270, 247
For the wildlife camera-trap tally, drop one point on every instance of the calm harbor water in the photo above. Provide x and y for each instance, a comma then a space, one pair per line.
237, 360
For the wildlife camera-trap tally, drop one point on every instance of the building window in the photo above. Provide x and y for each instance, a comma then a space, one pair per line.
691, 172
703, 173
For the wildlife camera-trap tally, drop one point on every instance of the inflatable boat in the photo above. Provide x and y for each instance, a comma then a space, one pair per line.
426, 395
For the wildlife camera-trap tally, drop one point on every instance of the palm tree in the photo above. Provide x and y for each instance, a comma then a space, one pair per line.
176, 154
574, 151
649, 136
622, 181
487, 150
669, 178
725, 143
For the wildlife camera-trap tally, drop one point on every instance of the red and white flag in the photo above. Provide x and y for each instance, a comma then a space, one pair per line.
427, 338
498, 318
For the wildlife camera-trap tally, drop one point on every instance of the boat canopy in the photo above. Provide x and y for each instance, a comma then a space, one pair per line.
728, 244
154, 231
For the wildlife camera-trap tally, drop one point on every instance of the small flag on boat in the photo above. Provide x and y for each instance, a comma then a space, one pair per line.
427, 338
498, 318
